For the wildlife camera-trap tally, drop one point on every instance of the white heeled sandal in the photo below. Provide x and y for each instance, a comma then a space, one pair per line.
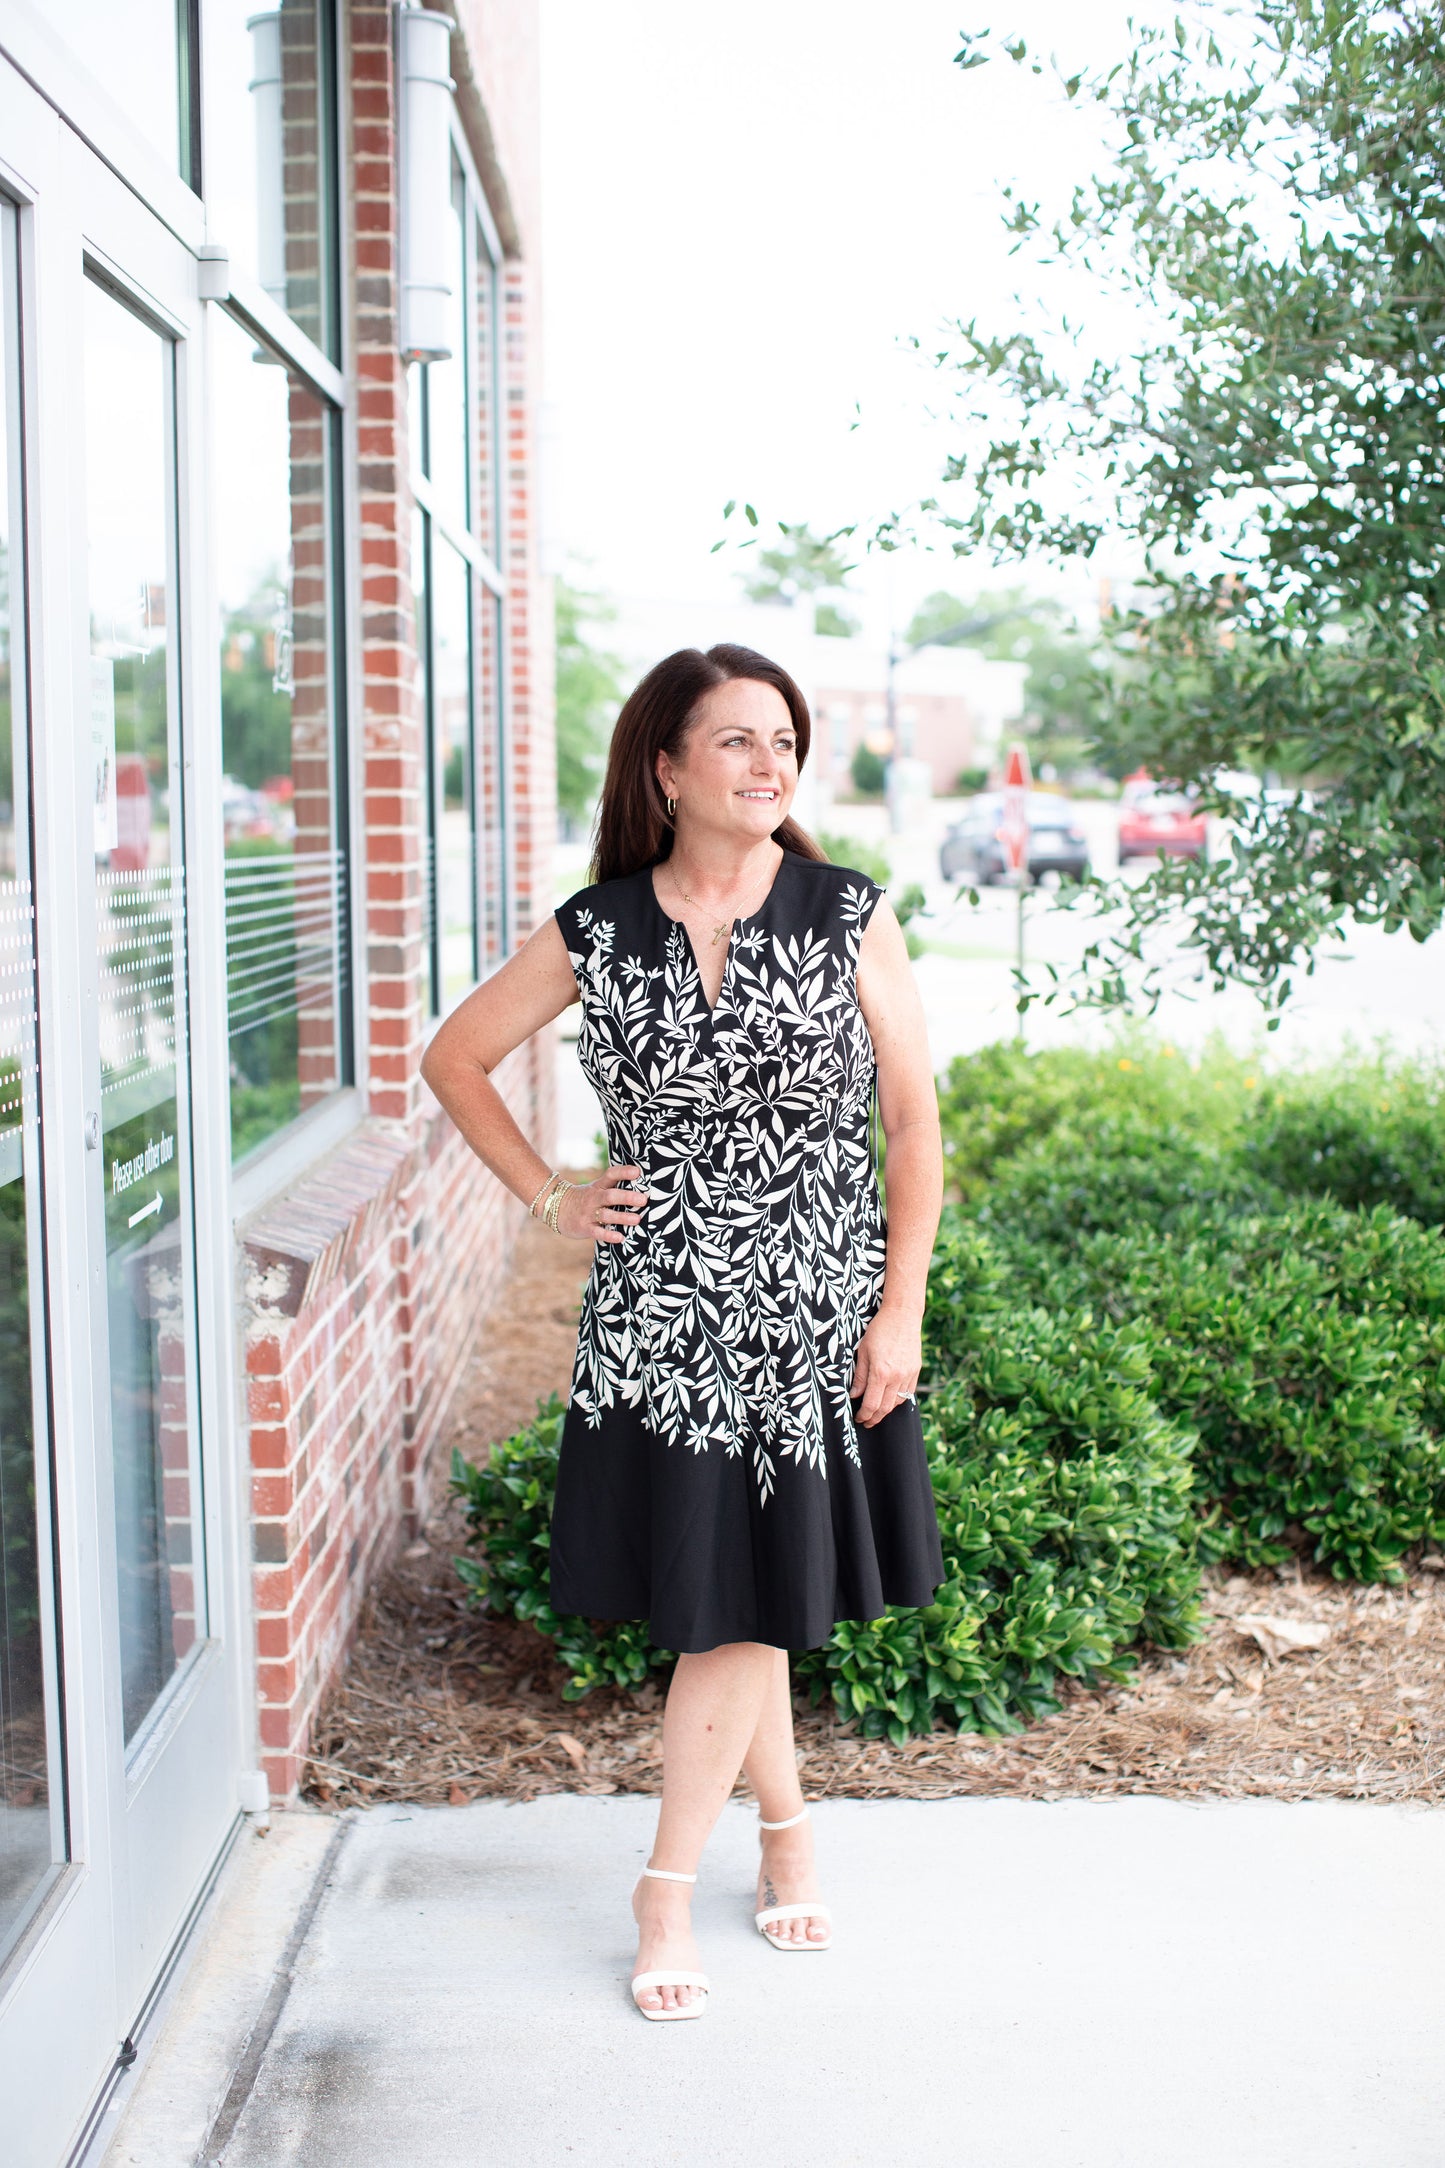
642, 1981
812, 1911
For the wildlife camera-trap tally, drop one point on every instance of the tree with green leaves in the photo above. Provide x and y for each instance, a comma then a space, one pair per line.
255, 714
590, 689
1272, 454
1061, 690
800, 564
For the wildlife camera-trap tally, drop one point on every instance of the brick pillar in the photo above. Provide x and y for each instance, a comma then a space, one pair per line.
390, 717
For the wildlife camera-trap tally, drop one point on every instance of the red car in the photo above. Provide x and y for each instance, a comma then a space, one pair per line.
1155, 819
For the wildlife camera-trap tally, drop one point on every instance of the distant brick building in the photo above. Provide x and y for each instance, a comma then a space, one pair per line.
953, 706
275, 670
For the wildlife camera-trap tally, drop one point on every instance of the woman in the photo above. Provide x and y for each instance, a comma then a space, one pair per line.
742, 1463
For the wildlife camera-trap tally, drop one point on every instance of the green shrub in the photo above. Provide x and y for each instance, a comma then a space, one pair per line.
1306, 1348
1059, 1190
1365, 1133
996, 1102
1063, 1502
1064, 1507
508, 1510
869, 774
857, 854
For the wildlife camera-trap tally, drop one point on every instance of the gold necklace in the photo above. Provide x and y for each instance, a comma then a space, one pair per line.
721, 926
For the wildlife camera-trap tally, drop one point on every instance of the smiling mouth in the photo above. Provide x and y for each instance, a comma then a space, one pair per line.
770, 794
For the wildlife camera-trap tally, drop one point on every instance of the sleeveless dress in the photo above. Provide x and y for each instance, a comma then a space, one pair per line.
712, 1478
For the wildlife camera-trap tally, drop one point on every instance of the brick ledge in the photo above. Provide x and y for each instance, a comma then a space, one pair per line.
295, 1245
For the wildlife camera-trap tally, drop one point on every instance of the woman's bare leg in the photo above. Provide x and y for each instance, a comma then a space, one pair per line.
712, 1712
786, 1876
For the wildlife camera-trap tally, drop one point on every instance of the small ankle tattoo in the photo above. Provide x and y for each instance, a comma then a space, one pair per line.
770, 1895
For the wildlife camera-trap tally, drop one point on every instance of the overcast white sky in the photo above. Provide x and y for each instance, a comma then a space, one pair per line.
747, 210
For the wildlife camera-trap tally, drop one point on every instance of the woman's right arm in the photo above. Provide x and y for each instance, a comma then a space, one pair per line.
530, 990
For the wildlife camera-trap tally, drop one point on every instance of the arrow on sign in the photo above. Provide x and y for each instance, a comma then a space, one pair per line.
145, 1211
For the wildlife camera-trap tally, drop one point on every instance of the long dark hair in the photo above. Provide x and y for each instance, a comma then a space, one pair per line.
633, 829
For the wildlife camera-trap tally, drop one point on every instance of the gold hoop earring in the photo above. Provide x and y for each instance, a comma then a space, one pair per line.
671, 807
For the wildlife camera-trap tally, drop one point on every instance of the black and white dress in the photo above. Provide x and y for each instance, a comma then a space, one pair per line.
713, 1480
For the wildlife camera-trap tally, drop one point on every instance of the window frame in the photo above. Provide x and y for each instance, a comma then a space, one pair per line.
483, 257
273, 1165
336, 616
18, 366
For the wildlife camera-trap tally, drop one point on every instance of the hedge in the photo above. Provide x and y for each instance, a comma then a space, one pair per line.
1181, 1311
1064, 1508
1306, 1349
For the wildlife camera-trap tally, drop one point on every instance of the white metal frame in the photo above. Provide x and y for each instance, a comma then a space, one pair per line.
482, 209
65, 83
486, 567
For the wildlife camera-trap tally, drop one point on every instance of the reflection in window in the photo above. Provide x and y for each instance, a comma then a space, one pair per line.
269, 162
448, 435
28, 1827
138, 52
144, 1164
486, 465
454, 769
285, 844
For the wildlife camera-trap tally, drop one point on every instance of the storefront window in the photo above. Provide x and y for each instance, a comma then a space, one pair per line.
453, 417
269, 156
141, 53
28, 1825
140, 857
286, 945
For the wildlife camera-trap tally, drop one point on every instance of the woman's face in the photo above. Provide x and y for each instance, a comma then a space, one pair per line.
738, 769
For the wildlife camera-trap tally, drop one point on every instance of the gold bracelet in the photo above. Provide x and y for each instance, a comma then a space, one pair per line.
552, 1208
532, 1207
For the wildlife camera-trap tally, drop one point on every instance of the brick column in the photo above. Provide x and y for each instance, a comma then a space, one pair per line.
390, 708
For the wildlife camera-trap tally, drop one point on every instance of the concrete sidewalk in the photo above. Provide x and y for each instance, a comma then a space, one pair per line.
1125, 1983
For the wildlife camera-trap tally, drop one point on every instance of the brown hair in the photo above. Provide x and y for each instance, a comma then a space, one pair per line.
633, 829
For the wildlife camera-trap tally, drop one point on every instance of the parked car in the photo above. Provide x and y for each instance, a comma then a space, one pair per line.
1155, 819
971, 849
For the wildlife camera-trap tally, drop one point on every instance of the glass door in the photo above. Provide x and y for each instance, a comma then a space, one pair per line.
173, 1787
124, 1710
32, 1800
144, 1162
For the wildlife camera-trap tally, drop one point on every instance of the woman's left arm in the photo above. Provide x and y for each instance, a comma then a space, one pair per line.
890, 1353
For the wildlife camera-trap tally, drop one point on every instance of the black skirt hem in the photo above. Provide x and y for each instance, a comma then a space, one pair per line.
796, 1644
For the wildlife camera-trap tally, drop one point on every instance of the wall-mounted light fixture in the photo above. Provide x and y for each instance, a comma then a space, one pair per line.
425, 151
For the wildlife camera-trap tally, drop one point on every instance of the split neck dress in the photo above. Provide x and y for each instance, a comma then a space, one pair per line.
712, 1478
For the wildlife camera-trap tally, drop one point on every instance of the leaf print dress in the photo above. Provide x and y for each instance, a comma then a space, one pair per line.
713, 1480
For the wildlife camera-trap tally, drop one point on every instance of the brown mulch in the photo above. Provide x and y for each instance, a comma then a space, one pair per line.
440, 1705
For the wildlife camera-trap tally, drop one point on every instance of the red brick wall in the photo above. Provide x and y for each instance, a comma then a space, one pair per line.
365, 1283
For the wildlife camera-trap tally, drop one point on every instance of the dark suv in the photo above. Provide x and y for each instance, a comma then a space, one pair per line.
971, 850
